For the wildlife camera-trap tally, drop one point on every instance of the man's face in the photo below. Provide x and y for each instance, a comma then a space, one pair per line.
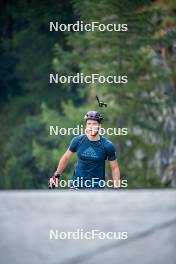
92, 127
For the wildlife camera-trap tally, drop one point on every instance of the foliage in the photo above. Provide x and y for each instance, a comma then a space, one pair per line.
30, 105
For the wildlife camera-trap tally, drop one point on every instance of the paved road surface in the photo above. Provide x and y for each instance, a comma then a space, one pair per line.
148, 217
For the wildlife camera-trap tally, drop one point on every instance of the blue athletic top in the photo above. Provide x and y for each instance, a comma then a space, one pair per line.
91, 159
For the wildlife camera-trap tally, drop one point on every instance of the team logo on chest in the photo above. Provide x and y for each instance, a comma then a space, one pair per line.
89, 152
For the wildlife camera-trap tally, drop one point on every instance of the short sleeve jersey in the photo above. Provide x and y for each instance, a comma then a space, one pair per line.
91, 157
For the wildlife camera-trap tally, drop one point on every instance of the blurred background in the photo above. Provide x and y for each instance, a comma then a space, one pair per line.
29, 105
29, 52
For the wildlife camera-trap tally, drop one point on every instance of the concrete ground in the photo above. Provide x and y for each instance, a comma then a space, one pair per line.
28, 217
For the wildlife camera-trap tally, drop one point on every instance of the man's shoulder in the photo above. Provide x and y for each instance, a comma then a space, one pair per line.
75, 142
107, 143
78, 138
110, 149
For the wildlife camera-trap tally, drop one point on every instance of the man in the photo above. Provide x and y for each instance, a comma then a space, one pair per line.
92, 151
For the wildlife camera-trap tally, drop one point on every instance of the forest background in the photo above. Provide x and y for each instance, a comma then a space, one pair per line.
29, 104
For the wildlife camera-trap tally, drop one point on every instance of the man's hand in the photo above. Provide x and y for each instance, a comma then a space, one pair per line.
53, 182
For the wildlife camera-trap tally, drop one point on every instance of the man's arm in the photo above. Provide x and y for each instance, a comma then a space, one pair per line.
63, 161
115, 173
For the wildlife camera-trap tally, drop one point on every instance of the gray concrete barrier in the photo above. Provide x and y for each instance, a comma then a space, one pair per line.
28, 218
